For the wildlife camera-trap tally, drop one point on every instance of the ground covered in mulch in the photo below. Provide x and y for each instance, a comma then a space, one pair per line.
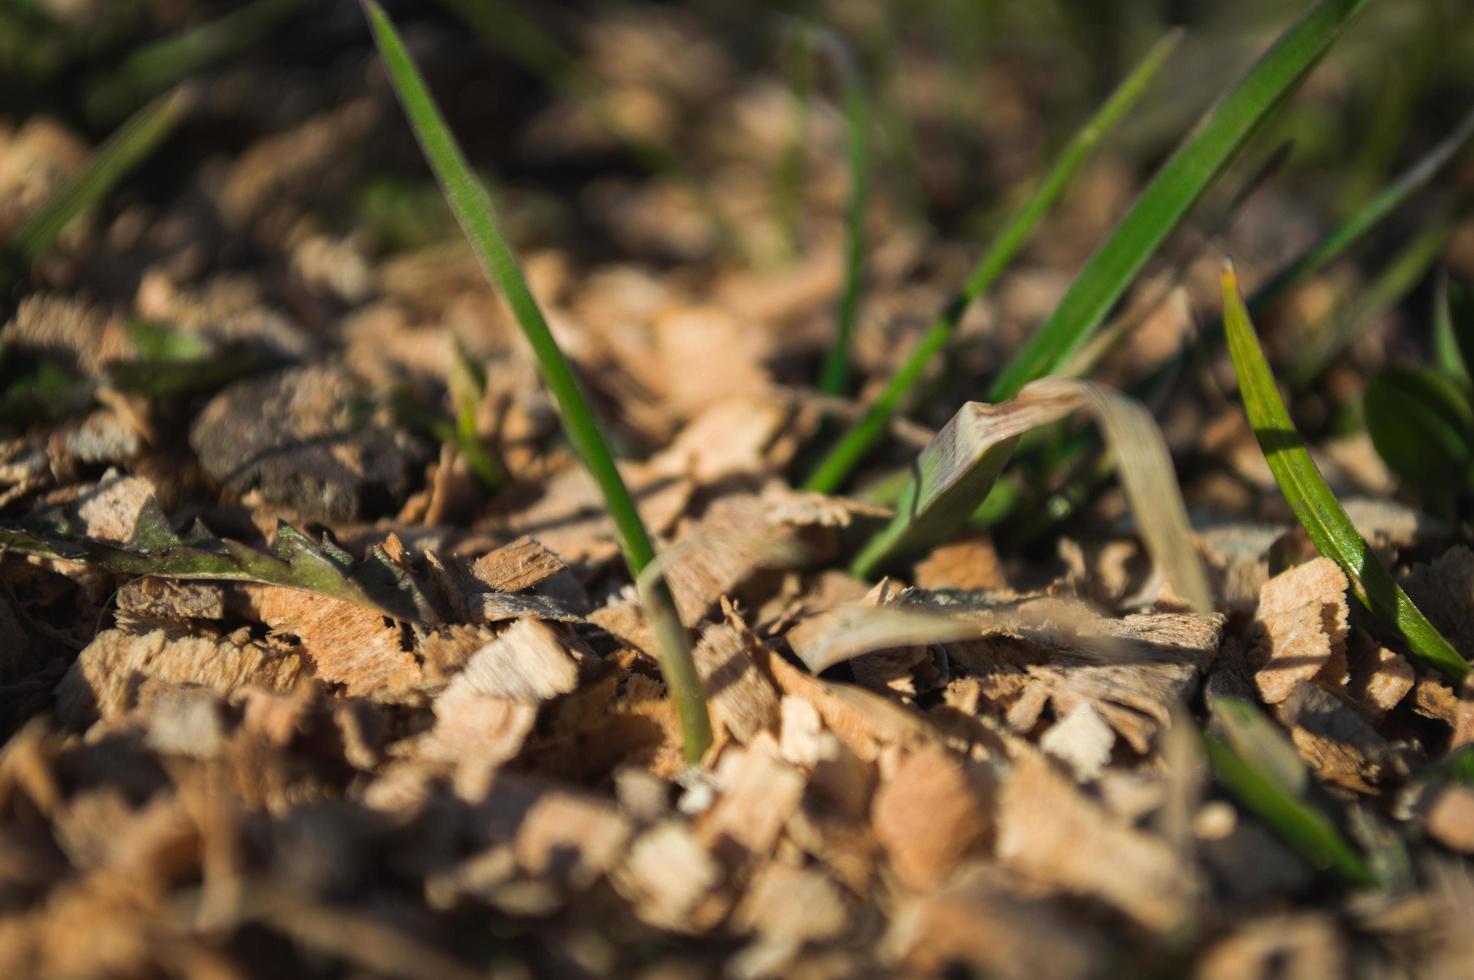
481, 773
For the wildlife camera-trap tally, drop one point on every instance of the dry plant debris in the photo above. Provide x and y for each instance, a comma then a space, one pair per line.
439, 744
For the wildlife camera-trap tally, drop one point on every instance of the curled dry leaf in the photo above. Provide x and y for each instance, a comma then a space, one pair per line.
955, 472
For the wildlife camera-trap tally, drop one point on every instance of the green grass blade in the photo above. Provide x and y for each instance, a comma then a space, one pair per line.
1308, 831
1421, 422
114, 159
154, 67
1453, 327
473, 209
869, 428
789, 180
1316, 507
1182, 180
1369, 216
1327, 340
834, 378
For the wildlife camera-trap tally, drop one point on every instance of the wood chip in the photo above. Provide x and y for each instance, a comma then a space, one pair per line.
1303, 945
741, 698
104, 679
1302, 619
1385, 681
836, 774
527, 662
1082, 741
930, 814
1050, 832
759, 791
171, 599
1447, 813
114, 509
993, 926
1338, 744
668, 875
347, 643
572, 838
520, 565
969, 562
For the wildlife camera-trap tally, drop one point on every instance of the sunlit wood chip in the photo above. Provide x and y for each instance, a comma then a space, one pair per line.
930, 814
1302, 624
1051, 832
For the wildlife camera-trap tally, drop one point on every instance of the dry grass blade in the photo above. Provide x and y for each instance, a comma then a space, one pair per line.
1319, 512
955, 473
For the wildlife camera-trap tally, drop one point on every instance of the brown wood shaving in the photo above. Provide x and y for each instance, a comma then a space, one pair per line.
1302, 618
1050, 832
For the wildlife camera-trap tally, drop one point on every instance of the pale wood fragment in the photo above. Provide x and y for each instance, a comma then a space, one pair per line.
1052, 833
930, 814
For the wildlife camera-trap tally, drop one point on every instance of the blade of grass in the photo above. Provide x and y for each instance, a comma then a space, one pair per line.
1154, 389
959, 467
522, 39
114, 159
1316, 507
833, 379
866, 431
1182, 180
789, 180
474, 211
298, 563
1327, 340
156, 66
1308, 831
1258, 765
1370, 215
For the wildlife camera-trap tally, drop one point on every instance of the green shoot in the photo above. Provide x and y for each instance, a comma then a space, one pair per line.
473, 208
789, 181
113, 160
833, 380
1317, 508
1257, 764
154, 67
1421, 422
1327, 340
1183, 179
867, 430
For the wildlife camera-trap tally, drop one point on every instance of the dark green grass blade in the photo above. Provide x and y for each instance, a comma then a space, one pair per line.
1421, 422
834, 378
869, 428
154, 67
473, 209
1328, 340
788, 182
1177, 186
114, 159
298, 563
1316, 507
1368, 217
1453, 327
1306, 830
